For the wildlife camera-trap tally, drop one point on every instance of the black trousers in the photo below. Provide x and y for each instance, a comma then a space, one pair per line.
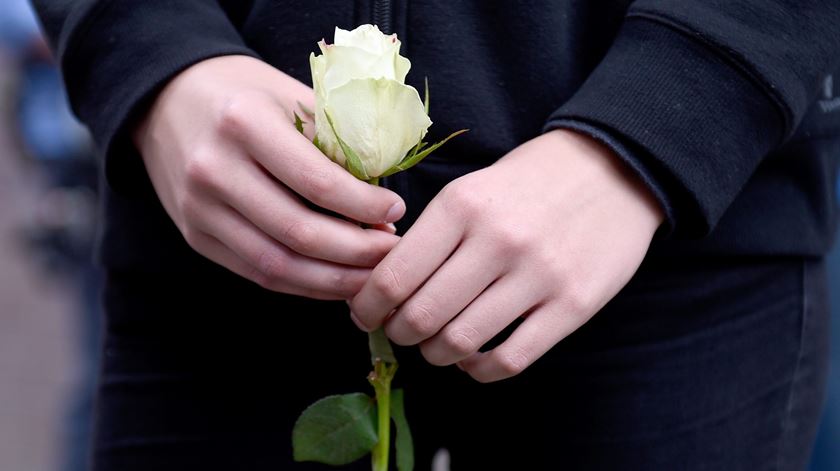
698, 364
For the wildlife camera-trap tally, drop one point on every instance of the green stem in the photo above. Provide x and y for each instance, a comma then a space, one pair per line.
380, 452
380, 379
384, 368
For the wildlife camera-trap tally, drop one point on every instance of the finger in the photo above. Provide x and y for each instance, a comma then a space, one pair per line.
450, 289
296, 162
214, 250
275, 265
496, 308
540, 331
389, 228
279, 213
415, 258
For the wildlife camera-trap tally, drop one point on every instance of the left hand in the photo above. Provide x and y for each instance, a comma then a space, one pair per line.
551, 232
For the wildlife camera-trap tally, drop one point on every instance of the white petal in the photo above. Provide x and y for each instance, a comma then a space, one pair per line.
318, 66
369, 38
401, 68
323, 132
345, 63
326, 137
379, 119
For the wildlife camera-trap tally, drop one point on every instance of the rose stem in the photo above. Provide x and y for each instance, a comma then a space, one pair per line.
380, 379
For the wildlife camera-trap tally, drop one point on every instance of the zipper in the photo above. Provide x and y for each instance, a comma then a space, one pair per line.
382, 15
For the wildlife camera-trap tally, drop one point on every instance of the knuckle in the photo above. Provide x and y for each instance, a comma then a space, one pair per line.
345, 283
233, 117
189, 208
386, 281
462, 198
513, 363
555, 274
261, 280
512, 240
461, 341
578, 300
301, 237
433, 355
317, 184
272, 266
192, 236
420, 319
199, 170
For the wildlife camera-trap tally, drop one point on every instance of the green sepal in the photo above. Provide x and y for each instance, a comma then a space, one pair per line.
380, 347
336, 430
351, 160
415, 158
403, 442
298, 122
306, 110
414, 150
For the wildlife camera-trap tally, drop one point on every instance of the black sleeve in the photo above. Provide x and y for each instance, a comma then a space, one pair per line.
703, 90
115, 55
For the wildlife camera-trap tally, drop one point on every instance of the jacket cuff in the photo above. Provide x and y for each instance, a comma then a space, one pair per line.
699, 125
111, 82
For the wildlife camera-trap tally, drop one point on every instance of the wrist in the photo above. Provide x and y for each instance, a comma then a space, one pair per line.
611, 164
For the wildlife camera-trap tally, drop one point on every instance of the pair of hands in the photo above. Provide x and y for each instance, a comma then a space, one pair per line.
550, 232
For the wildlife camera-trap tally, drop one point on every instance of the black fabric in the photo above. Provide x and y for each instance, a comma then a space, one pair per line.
700, 95
115, 55
713, 356
700, 365
684, 117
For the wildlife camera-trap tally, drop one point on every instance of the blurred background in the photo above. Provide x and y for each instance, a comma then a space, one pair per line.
49, 316
49, 286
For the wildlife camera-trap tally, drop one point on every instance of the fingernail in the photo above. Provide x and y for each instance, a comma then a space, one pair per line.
358, 322
391, 227
395, 212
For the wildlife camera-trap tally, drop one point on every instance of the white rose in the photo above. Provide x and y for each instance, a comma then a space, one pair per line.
360, 83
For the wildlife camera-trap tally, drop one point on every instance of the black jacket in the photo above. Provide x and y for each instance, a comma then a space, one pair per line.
726, 108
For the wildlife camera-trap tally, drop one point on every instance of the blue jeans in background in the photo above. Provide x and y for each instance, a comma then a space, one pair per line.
827, 448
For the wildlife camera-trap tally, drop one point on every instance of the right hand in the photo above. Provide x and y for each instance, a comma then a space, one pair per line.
232, 172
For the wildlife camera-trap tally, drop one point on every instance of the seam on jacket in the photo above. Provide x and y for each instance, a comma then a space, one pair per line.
814, 137
729, 56
785, 424
79, 34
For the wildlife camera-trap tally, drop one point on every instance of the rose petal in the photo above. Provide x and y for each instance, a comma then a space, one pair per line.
379, 119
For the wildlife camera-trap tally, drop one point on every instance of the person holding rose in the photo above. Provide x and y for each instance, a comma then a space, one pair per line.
664, 165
